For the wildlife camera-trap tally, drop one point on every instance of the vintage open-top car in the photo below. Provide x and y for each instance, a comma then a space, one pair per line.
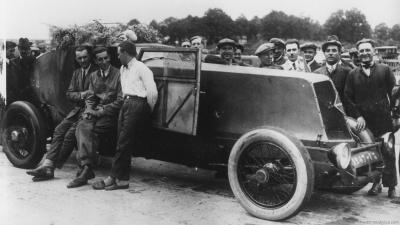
279, 134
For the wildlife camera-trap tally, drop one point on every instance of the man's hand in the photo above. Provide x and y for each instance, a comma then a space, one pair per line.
360, 123
90, 113
85, 94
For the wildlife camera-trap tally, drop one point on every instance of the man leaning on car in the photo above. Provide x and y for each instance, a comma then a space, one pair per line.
368, 91
64, 140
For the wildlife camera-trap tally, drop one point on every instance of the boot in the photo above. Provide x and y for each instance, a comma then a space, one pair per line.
86, 174
42, 173
392, 192
375, 189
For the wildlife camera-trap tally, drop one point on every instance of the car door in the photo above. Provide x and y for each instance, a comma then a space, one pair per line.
177, 75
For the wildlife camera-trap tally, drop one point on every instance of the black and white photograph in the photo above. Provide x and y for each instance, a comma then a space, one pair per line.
199, 112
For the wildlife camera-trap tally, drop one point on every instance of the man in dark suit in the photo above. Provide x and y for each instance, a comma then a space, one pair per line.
310, 50
332, 68
19, 71
368, 91
64, 140
100, 117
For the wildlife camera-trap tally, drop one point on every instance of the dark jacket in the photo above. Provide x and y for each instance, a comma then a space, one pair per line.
370, 97
19, 76
77, 85
338, 76
107, 91
314, 66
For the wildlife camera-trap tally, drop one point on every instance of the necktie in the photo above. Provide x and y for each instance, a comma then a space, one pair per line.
84, 79
294, 66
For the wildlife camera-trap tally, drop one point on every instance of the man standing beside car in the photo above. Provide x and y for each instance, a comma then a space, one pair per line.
265, 53
295, 62
310, 50
369, 93
140, 95
64, 140
332, 68
100, 116
279, 51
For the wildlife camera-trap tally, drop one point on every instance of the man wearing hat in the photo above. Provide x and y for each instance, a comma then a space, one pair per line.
355, 62
10, 51
64, 140
12, 79
279, 51
21, 69
265, 53
310, 50
226, 48
100, 117
369, 93
332, 68
294, 62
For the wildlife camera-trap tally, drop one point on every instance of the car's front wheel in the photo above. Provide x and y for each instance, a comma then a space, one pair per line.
270, 173
23, 134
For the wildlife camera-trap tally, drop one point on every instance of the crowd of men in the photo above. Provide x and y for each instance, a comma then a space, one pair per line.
108, 99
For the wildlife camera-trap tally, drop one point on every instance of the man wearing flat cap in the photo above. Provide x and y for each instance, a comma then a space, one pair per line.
295, 62
279, 51
332, 68
100, 117
21, 70
369, 93
310, 50
265, 53
226, 48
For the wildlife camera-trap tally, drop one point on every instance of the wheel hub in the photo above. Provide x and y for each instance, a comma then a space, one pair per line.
18, 135
262, 176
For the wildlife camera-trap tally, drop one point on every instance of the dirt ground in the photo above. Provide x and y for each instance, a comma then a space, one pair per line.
168, 194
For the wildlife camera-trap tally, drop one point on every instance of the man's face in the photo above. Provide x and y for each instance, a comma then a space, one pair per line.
309, 54
292, 51
123, 57
278, 52
332, 54
103, 60
10, 53
365, 52
83, 58
196, 43
267, 58
238, 55
24, 52
226, 52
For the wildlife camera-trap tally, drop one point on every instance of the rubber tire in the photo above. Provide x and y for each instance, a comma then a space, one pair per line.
304, 171
39, 128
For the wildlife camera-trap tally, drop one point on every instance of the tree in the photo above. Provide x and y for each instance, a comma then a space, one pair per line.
133, 22
349, 26
382, 31
395, 32
218, 25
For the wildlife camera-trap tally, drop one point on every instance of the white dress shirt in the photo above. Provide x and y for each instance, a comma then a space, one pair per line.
137, 80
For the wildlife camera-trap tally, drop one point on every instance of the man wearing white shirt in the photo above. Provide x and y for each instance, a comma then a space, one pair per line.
295, 62
140, 96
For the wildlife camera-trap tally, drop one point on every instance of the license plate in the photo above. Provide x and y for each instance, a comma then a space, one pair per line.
365, 158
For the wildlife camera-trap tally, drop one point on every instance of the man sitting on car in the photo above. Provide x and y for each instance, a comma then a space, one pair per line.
64, 140
226, 48
100, 116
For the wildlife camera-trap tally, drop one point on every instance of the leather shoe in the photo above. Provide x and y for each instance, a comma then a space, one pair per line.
375, 189
392, 193
86, 174
42, 173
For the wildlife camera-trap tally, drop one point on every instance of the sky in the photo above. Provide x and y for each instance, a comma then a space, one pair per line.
30, 18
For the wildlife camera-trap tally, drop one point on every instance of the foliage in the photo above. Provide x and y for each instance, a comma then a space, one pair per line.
98, 34
382, 31
349, 26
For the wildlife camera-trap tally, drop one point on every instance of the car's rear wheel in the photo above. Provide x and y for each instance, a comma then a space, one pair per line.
270, 173
23, 134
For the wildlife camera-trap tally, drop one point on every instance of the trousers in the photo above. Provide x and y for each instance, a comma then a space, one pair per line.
133, 122
63, 142
88, 135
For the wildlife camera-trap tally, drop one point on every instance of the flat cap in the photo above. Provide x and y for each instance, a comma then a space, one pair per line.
308, 45
195, 37
226, 41
332, 40
264, 48
366, 40
277, 42
10, 44
24, 43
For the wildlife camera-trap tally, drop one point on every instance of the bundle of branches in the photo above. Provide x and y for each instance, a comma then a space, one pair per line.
96, 33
